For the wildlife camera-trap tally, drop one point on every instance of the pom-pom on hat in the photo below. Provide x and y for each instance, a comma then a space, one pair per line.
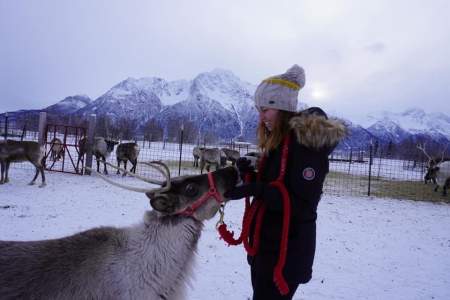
281, 91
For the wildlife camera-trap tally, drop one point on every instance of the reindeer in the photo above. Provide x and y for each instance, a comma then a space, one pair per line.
56, 149
151, 260
127, 152
254, 158
438, 171
101, 148
197, 152
17, 151
231, 155
210, 156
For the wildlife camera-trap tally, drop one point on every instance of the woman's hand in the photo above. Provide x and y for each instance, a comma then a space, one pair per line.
244, 166
254, 189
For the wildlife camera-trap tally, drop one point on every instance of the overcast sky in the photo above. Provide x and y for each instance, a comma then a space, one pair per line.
359, 56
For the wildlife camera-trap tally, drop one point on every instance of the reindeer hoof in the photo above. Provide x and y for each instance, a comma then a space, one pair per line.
31, 183
42, 185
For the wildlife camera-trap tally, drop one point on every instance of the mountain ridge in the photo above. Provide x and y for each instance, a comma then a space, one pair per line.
219, 104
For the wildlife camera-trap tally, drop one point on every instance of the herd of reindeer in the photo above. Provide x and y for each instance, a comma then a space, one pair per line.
437, 168
18, 151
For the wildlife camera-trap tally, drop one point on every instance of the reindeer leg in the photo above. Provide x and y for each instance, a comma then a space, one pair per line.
125, 167
98, 163
446, 186
104, 165
36, 174
436, 188
118, 166
202, 165
78, 162
41, 169
2, 171
134, 162
6, 171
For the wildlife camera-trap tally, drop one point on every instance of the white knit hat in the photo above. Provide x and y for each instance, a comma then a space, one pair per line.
281, 91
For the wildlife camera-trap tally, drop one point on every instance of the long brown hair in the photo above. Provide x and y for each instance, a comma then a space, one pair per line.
269, 140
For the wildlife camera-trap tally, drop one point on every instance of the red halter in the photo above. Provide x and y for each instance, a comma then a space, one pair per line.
212, 192
258, 208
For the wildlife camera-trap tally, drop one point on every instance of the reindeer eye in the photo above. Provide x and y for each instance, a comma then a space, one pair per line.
191, 190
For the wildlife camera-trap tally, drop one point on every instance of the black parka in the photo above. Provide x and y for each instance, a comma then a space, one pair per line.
313, 137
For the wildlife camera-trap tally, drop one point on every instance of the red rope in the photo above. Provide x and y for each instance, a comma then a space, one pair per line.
258, 208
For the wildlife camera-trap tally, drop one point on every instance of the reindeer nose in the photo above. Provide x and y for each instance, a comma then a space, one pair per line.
162, 204
150, 194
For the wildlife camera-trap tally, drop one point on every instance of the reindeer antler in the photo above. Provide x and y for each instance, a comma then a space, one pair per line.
154, 164
422, 147
443, 153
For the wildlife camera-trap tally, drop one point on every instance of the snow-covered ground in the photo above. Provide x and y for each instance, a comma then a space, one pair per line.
367, 248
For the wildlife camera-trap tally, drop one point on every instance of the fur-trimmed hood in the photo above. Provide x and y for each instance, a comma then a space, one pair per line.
316, 131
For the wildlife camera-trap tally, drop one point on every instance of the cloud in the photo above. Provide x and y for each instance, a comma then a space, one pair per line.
377, 47
377, 53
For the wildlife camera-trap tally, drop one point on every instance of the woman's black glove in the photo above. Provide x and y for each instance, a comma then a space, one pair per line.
244, 166
245, 190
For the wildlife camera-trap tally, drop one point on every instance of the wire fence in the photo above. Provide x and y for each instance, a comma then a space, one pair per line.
353, 172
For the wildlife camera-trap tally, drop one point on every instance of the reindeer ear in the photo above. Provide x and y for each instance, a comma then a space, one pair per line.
162, 204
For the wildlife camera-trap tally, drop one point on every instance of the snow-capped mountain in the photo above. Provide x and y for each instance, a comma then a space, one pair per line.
218, 102
69, 104
134, 99
412, 122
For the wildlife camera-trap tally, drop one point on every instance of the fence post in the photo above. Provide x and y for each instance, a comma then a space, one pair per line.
24, 131
350, 160
90, 142
6, 126
181, 148
370, 169
42, 126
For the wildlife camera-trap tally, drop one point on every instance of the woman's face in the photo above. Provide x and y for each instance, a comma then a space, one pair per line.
268, 116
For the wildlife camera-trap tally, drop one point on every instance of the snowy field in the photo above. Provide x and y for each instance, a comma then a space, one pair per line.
367, 248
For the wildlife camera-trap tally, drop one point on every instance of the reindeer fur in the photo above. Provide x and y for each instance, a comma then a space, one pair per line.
151, 260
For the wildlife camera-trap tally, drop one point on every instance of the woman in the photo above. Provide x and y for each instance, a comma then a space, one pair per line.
287, 187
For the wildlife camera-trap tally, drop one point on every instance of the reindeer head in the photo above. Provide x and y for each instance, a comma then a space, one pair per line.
110, 145
433, 164
191, 195
185, 192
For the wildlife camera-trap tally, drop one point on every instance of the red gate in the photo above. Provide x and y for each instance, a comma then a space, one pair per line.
62, 153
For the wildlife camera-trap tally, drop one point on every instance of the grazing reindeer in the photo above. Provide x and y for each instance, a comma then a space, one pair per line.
438, 171
151, 260
254, 157
231, 155
127, 152
210, 156
101, 148
56, 149
17, 151
197, 153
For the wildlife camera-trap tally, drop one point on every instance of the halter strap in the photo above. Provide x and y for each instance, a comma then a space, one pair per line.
212, 192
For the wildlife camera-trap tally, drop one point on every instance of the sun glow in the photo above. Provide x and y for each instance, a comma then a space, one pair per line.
319, 92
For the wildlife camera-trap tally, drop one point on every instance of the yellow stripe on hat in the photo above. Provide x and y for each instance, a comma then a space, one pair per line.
283, 82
